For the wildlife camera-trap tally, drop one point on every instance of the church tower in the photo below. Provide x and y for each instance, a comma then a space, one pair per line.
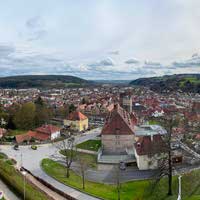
126, 102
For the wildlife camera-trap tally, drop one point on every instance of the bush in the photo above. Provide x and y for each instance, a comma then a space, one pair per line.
11, 162
3, 156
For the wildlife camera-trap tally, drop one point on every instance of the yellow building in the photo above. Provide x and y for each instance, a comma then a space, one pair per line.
77, 121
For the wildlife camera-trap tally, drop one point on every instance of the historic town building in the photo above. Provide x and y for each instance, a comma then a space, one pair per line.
77, 121
118, 132
123, 140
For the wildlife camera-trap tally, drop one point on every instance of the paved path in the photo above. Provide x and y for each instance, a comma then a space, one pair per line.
31, 160
189, 150
45, 189
9, 195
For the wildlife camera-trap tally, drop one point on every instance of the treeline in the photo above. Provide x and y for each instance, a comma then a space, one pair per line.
42, 81
30, 115
189, 83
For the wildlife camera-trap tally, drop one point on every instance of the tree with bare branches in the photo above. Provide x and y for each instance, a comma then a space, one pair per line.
165, 163
83, 165
66, 148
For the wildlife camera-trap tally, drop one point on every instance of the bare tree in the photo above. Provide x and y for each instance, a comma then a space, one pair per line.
165, 163
66, 148
83, 165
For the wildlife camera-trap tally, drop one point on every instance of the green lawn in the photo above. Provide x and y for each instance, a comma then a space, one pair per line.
135, 190
92, 145
153, 122
16, 132
16, 181
90, 157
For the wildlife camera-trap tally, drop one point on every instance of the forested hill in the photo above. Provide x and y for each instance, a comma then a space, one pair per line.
42, 81
183, 82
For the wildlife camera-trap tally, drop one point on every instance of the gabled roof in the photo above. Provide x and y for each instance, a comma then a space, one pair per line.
23, 137
76, 116
48, 129
150, 145
31, 134
118, 122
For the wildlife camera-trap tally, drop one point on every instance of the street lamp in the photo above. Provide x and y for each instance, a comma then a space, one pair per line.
179, 188
24, 174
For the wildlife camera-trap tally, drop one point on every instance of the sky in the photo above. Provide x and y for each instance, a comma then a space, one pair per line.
100, 39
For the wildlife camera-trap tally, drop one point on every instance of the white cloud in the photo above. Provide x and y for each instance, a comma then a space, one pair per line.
132, 61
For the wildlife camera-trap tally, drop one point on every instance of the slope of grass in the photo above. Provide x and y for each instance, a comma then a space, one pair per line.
16, 182
135, 190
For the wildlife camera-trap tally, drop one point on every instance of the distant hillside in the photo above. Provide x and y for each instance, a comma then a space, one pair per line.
42, 81
183, 82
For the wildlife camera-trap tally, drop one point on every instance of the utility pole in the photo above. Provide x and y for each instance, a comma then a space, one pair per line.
179, 188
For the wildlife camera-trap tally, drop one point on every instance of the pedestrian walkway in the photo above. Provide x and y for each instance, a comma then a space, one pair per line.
189, 150
45, 189
8, 194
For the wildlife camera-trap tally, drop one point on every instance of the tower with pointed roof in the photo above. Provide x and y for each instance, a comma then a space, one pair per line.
118, 132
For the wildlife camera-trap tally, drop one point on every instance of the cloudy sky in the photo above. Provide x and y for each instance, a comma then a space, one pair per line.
100, 39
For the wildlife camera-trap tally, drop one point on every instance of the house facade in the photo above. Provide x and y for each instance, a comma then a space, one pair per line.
148, 151
76, 121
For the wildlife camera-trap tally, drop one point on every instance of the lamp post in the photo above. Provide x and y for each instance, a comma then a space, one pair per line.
179, 188
24, 174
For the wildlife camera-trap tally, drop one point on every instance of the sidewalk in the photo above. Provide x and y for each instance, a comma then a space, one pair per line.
45, 189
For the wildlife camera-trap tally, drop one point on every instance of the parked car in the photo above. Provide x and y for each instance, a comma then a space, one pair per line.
16, 147
122, 165
34, 147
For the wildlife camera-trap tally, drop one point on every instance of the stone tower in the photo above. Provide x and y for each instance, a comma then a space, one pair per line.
126, 101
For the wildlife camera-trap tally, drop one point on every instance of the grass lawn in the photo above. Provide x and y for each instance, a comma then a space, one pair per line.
92, 145
16, 132
153, 122
91, 158
135, 190
16, 181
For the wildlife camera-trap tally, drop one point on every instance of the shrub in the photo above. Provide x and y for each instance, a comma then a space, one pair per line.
11, 162
3, 156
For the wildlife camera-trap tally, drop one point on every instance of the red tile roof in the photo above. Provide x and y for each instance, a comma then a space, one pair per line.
48, 129
23, 137
150, 145
118, 122
76, 115
37, 135
31, 134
